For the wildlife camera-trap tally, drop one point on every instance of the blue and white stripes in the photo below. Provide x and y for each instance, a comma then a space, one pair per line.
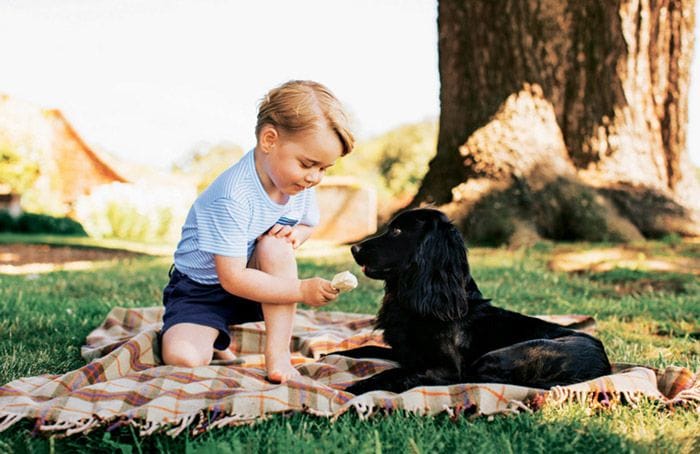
230, 214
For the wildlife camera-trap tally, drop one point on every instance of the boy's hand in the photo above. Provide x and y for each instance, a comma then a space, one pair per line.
286, 232
317, 292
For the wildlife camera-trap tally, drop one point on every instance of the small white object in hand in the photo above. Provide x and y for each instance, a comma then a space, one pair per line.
344, 281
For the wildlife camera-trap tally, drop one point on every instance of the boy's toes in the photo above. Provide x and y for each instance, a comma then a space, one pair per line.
281, 375
225, 355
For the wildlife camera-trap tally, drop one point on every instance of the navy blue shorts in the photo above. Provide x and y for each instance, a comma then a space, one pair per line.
188, 301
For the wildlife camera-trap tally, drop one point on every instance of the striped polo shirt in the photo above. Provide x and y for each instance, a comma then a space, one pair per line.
228, 217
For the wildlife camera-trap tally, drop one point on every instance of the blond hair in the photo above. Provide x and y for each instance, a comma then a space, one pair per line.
300, 105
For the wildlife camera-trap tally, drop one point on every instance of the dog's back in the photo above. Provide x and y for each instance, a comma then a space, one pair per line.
508, 347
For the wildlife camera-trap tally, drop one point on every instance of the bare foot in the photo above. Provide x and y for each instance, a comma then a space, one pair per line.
225, 358
279, 368
225, 355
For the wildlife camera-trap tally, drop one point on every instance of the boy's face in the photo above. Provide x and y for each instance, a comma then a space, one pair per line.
295, 162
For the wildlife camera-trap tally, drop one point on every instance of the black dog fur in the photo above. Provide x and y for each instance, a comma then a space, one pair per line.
440, 329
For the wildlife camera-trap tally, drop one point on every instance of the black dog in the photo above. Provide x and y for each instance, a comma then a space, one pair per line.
440, 329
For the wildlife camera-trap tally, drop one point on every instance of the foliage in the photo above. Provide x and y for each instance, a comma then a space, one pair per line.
26, 139
394, 162
208, 162
42, 198
39, 223
560, 210
44, 321
134, 212
16, 171
7, 222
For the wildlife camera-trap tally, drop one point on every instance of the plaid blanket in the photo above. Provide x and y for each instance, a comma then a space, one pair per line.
126, 383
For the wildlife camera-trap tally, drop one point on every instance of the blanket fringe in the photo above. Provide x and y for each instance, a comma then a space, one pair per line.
68, 428
232, 420
61, 426
320, 413
687, 397
516, 406
8, 420
148, 428
560, 395
85, 427
597, 399
184, 423
365, 409
203, 421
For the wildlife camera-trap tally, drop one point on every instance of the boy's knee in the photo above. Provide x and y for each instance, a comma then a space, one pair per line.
184, 361
184, 354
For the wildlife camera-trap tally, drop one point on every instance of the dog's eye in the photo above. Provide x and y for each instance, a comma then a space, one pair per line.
395, 232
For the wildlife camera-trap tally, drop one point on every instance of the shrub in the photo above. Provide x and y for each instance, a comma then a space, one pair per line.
7, 222
44, 198
17, 170
39, 223
134, 212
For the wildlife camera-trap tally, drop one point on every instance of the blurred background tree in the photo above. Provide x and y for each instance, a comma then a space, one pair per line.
394, 163
207, 161
17, 171
564, 120
23, 145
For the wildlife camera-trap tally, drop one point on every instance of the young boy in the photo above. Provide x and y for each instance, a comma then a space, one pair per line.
235, 261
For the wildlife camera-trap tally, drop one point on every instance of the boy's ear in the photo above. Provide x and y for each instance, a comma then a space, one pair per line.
268, 137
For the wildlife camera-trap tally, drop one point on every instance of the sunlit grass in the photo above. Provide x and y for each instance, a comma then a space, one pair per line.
641, 318
84, 241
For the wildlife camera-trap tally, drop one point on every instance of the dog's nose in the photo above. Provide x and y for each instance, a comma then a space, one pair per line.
355, 249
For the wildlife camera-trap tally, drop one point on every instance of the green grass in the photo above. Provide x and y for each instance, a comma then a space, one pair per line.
88, 242
44, 320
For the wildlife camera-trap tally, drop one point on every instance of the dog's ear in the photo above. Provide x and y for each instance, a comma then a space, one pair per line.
435, 280
473, 292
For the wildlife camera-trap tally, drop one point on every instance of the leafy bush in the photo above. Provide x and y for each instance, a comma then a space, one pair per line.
44, 197
39, 223
7, 222
17, 171
134, 212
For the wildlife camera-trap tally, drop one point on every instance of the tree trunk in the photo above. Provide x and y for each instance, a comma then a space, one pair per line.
564, 119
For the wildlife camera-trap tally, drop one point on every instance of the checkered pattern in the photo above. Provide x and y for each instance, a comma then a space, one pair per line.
126, 383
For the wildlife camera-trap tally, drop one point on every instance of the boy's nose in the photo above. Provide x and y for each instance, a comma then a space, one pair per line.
313, 178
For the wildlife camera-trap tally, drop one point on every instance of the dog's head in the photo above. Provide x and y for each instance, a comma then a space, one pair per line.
424, 255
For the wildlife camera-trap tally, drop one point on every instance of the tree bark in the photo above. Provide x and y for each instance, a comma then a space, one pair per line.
557, 113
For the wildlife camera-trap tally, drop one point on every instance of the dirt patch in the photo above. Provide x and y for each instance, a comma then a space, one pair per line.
629, 270
22, 254
639, 286
42, 258
601, 260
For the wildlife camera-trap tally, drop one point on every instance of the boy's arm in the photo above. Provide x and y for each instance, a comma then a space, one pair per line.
236, 278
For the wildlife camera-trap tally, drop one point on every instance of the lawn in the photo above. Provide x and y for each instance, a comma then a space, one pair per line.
647, 317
